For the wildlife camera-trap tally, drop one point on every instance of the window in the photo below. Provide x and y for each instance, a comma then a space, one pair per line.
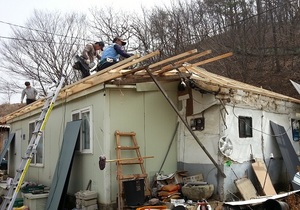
37, 158
295, 129
83, 143
245, 127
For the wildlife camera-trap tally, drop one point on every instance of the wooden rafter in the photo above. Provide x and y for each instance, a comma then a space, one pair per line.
226, 55
150, 55
217, 83
198, 55
165, 61
163, 70
104, 75
178, 64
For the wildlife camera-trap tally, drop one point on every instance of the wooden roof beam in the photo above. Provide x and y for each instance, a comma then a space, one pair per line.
172, 58
171, 67
103, 71
119, 64
226, 55
146, 57
198, 55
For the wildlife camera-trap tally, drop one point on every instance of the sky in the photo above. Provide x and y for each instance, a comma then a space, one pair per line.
18, 11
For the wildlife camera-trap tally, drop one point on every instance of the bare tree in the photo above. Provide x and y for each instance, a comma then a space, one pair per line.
106, 23
260, 33
8, 88
44, 49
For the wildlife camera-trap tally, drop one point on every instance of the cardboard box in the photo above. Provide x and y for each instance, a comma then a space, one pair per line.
86, 195
92, 207
81, 202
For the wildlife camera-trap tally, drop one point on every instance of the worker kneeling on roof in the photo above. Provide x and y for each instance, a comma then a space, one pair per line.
85, 62
112, 53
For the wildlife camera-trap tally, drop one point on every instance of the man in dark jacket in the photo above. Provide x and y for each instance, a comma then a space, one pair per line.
85, 61
112, 53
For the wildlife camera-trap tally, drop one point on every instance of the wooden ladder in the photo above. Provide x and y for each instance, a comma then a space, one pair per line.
133, 146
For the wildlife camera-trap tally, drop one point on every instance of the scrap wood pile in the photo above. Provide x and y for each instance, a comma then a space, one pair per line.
180, 189
263, 193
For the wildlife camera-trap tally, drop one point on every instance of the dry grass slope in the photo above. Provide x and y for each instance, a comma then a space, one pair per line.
9, 108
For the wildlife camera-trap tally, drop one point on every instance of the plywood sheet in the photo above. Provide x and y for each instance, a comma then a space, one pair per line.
6, 145
246, 188
263, 177
61, 175
288, 152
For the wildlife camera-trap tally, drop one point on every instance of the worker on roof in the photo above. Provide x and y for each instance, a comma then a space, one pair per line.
112, 53
30, 93
85, 62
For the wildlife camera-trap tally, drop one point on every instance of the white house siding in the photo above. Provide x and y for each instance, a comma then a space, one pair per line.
261, 110
191, 156
262, 143
147, 113
144, 111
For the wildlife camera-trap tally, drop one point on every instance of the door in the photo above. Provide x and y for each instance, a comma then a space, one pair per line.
15, 155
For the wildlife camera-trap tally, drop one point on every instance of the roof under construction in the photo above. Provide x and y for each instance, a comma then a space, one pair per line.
170, 69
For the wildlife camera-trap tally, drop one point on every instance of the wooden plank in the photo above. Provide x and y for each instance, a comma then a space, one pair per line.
23, 110
133, 79
290, 157
101, 76
168, 68
178, 64
134, 70
150, 55
6, 146
132, 176
62, 172
263, 177
198, 55
173, 58
246, 188
226, 55
224, 82
102, 71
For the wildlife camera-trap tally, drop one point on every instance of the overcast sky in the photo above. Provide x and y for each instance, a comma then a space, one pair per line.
18, 11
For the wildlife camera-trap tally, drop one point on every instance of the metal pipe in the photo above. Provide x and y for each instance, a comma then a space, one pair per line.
271, 158
185, 123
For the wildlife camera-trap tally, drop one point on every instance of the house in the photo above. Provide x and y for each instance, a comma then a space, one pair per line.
4, 131
224, 120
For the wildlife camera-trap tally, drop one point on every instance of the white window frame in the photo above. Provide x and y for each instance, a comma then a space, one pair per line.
90, 123
41, 141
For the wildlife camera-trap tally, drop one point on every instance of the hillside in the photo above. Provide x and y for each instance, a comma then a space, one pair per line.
265, 76
8, 108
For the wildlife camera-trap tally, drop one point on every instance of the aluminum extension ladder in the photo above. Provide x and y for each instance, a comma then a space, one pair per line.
15, 185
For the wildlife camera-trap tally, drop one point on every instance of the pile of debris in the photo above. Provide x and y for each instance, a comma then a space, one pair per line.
179, 189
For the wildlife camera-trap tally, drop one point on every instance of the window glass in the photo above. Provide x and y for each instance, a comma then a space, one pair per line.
39, 156
86, 130
83, 143
245, 127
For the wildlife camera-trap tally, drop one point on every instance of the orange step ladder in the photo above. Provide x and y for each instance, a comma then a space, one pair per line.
138, 160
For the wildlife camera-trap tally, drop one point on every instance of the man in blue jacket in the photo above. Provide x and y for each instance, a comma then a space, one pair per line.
112, 53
